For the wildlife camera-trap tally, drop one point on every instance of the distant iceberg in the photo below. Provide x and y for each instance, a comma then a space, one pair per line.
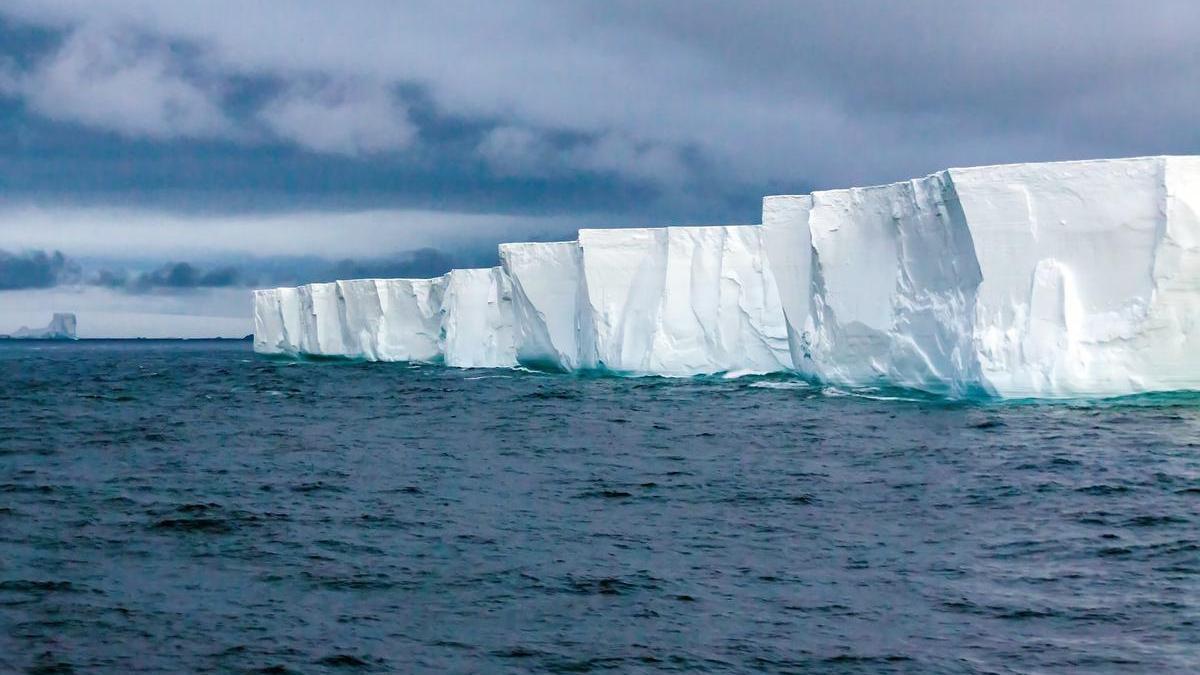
62, 327
1028, 280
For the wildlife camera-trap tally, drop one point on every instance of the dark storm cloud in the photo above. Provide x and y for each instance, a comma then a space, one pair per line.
170, 276
422, 263
35, 269
282, 271
682, 95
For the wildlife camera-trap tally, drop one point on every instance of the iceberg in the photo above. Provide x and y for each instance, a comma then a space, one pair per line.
322, 325
360, 318
269, 334
289, 312
677, 301
391, 319
371, 319
1029, 280
62, 326
283, 321
788, 245
1032, 280
410, 324
477, 320
550, 330
682, 301
1091, 275
891, 279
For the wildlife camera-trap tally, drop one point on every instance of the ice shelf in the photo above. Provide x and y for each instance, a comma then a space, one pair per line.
373, 319
1027, 280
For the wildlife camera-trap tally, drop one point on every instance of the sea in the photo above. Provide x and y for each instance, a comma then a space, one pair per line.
189, 506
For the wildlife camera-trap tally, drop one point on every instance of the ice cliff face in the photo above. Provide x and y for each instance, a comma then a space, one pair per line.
373, 319
667, 301
1061, 279
1091, 275
477, 321
391, 319
551, 328
682, 301
889, 282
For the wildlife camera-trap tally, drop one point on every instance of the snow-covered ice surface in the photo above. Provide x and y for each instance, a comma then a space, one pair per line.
1029, 280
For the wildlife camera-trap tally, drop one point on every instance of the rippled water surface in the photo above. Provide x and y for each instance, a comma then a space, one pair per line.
189, 507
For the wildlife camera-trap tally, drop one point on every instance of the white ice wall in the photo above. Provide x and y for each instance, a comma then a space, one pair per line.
327, 313
894, 281
411, 320
551, 326
269, 337
373, 319
361, 318
478, 319
290, 310
391, 319
788, 244
1063, 279
1089, 275
1173, 324
682, 301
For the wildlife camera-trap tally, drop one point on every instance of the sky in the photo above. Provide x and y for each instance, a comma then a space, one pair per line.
158, 159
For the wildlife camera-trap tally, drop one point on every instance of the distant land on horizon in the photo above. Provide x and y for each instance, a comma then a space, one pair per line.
223, 314
63, 327
9, 338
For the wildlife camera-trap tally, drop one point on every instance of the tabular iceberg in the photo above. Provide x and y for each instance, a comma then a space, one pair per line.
1091, 275
391, 319
682, 301
62, 326
477, 321
550, 327
1059, 279
373, 319
890, 281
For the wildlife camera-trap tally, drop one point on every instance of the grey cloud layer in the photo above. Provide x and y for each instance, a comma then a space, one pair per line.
43, 269
116, 81
154, 234
825, 93
36, 269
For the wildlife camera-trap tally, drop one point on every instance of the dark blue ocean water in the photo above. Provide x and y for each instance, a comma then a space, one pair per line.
183, 507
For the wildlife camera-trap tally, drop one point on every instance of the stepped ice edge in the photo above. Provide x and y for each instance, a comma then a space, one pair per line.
1026, 280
